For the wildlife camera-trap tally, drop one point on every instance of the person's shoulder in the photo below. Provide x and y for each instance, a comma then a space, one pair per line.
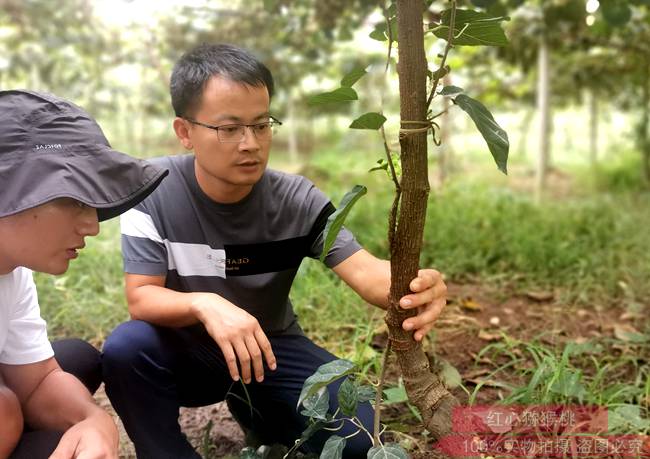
18, 279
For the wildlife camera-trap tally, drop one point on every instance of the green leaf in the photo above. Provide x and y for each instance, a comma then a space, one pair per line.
439, 73
382, 165
316, 406
379, 33
626, 418
333, 448
451, 91
388, 451
348, 398
449, 374
337, 96
369, 121
352, 77
325, 374
494, 135
366, 393
336, 220
617, 13
394, 395
478, 29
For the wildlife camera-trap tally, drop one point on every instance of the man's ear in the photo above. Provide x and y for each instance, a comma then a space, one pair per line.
182, 131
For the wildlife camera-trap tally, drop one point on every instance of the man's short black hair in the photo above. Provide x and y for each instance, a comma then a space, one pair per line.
195, 68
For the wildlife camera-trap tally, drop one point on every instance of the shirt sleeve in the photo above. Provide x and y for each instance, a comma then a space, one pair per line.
143, 249
27, 332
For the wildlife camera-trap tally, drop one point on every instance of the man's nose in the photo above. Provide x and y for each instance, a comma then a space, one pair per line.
249, 141
88, 222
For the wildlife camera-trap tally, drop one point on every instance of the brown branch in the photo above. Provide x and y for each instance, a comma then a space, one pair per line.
450, 39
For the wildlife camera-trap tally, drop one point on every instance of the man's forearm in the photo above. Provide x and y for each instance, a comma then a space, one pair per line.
59, 402
166, 307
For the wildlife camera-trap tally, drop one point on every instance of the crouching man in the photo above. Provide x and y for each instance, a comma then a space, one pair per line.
58, 178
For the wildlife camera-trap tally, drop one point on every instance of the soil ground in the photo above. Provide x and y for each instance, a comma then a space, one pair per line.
475, 317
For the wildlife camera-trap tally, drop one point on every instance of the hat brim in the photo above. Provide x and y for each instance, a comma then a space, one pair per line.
95, 175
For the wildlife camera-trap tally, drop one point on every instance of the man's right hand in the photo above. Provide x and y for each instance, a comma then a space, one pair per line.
237, 333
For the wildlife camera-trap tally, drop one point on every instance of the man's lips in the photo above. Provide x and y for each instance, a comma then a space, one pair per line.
73, 252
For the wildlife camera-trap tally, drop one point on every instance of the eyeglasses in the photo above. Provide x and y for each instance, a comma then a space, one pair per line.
236, 133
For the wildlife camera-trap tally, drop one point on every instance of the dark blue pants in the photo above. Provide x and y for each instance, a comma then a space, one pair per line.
83, 361
150, 372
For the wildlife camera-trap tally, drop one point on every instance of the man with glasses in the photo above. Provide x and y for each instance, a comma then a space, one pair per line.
210, 258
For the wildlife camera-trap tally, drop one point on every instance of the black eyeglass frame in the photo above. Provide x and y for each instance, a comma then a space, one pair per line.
273, 121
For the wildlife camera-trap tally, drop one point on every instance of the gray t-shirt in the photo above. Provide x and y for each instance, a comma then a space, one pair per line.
247, 252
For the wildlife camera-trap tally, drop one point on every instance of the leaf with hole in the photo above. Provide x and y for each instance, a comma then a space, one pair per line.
336, 220
316, 405
325, 374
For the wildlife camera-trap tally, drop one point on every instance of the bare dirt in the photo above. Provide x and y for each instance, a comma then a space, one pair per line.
475, 317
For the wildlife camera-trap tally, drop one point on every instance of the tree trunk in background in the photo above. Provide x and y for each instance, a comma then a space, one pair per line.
593, 127
292, 128
446, 150
425, 390
543, 107
524, 129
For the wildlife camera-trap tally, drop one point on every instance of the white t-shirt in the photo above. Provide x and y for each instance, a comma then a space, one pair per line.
23, 333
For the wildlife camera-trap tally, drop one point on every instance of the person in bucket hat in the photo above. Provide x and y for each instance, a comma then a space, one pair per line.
209, 260
58, 178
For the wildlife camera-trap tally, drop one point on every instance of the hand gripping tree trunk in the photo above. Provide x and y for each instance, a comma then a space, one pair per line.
425, 389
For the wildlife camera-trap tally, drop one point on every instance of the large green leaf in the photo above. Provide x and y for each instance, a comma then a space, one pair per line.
333, 448
316, 406
379, 33
388, 451
348, 398
494, 135
352, 77
337, 96
325, 374
336, 220
369, 121
478, 29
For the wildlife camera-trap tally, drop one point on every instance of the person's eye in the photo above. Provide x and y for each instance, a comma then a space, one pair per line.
262, 127
230, 129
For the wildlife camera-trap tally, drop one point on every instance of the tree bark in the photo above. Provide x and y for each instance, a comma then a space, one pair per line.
425, 389
543, 107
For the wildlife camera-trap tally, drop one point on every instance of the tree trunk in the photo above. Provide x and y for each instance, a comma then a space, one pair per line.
593, 128
425, 390
543, 107
524, 128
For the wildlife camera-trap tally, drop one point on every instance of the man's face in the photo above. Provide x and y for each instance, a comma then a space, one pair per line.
228, 171
47, 237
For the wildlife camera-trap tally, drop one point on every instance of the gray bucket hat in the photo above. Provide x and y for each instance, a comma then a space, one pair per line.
51, 148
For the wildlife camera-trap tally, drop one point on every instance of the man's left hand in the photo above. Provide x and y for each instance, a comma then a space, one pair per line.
429, 297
